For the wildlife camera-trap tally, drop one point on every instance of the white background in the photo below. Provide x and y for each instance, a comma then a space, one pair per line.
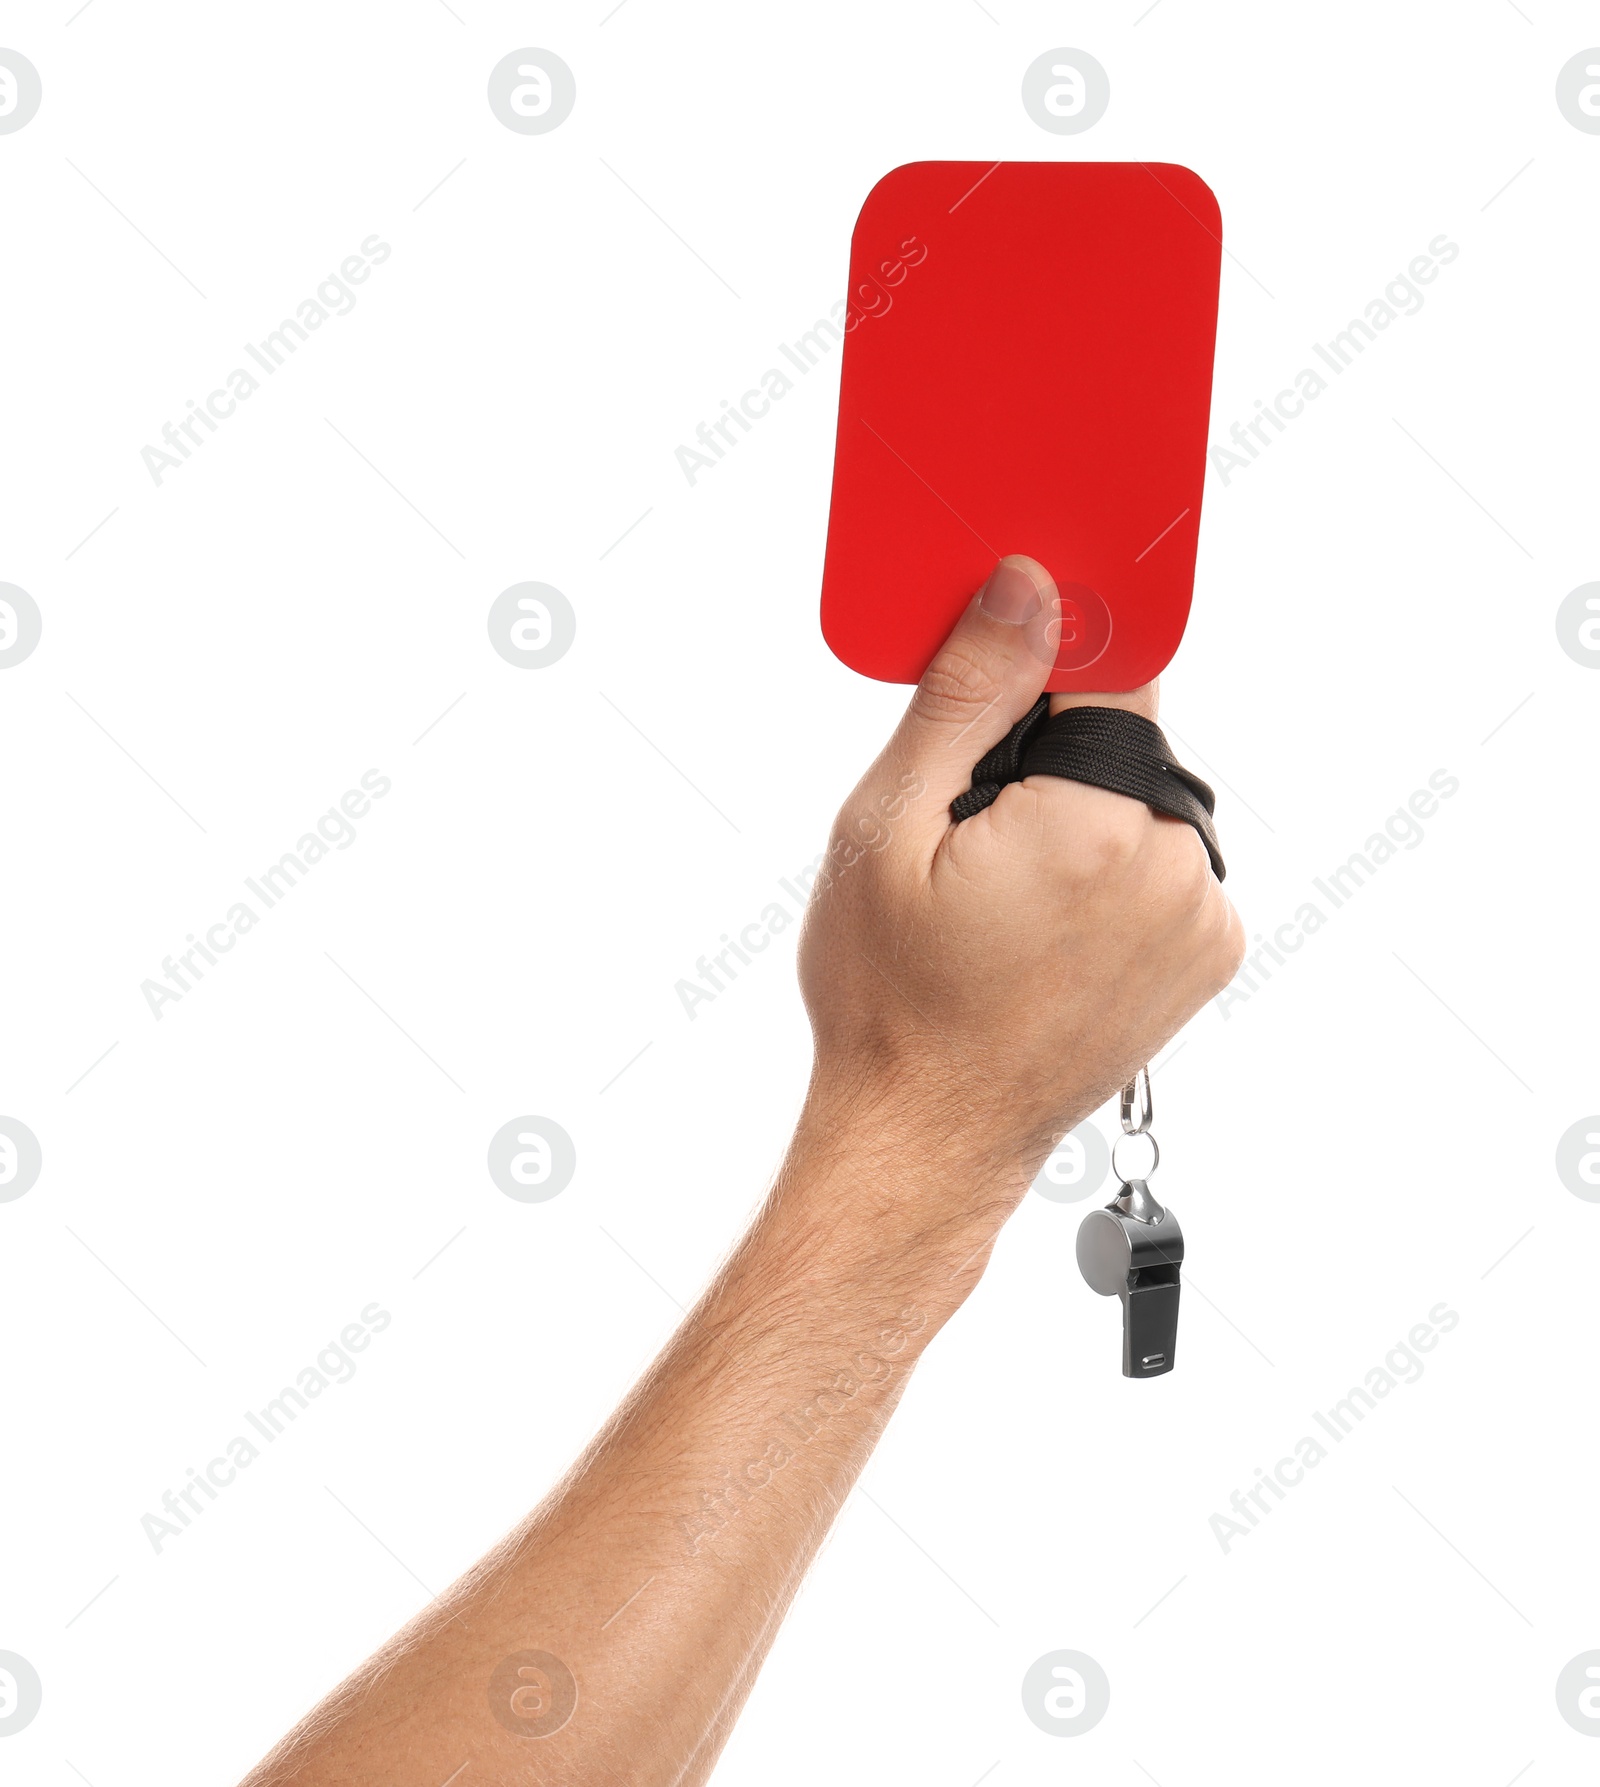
233, 1183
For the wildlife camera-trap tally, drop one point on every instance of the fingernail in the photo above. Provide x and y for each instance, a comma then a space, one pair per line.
1010, 595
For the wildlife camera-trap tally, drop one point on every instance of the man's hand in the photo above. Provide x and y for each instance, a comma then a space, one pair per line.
974, 990
979, 988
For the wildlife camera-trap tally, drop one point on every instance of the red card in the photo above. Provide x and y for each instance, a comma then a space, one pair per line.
1027, 368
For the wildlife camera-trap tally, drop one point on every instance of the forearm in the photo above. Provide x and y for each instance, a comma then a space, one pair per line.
658, 1572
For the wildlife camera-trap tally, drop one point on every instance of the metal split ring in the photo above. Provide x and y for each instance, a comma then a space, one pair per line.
1155, 1155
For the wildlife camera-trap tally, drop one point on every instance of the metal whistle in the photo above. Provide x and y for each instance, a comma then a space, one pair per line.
1132, 1250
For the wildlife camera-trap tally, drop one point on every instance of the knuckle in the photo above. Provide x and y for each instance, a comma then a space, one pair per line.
1025, 824
1122, 835
1226, 944
1185, 873
1200, 888
956, 683
1104, 834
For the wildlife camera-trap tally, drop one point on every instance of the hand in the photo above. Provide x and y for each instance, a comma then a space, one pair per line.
977, 989
974, 990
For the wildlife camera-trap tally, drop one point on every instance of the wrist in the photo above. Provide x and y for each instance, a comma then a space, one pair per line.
900, 1196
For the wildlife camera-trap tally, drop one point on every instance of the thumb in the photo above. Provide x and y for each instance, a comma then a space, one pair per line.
983, 679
